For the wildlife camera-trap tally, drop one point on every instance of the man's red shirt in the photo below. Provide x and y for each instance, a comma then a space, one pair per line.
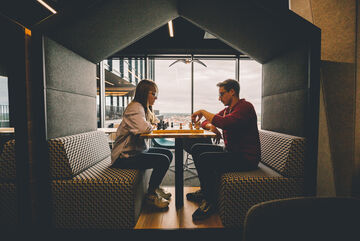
240, 130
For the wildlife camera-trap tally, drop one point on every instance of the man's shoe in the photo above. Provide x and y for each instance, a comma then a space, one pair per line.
204, 211
197, 196
161, 192
154, 201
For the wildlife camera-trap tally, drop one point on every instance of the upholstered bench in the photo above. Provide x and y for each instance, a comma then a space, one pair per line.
86, 192
8, 192
280, 175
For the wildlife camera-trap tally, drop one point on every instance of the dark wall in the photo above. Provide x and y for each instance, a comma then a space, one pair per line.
284, 93
2, 69
70, 89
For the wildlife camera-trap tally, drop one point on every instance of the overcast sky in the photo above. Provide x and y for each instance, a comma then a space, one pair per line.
175, 84
3, 91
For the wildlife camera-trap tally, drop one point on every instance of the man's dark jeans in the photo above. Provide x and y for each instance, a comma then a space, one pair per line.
211, 161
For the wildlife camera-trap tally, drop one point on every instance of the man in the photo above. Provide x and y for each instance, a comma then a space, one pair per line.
241, 152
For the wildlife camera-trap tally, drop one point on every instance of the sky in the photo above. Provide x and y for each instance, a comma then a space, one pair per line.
175, 84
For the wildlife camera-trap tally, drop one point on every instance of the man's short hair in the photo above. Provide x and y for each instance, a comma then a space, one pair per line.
230, 84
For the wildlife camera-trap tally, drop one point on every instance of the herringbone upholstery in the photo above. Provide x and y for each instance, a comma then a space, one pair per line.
100, 197
239, 191
73, 154
283, 153
7, 162
96, 195
8, 206
8, 193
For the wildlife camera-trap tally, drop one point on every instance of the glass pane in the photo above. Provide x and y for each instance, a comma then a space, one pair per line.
4, 102
174, 99
250, 84
206, 94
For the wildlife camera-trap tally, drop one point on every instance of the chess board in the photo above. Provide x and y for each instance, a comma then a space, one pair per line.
178, 131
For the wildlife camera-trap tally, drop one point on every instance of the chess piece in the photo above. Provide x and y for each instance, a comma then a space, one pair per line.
190, 126
180, 126
197, 125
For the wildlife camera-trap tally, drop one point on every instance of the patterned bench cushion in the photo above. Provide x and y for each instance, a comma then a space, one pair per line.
8, 206
283, 153
237, 193
101, 197
70, 155
7, 162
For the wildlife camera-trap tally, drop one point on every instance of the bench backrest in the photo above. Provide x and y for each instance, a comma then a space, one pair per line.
283, 153
71, 155
7, 161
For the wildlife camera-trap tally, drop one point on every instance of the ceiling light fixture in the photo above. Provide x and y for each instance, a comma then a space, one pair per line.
188, 61
47, 6
171, 28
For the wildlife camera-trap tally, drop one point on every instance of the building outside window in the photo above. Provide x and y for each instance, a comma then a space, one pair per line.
4, 102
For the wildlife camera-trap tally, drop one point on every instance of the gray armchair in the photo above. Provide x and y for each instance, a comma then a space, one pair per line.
304, 218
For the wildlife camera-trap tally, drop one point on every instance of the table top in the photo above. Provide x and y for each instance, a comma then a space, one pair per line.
108, 130
179, 133
7, 130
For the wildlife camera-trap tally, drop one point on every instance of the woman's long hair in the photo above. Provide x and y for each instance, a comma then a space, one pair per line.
141, 96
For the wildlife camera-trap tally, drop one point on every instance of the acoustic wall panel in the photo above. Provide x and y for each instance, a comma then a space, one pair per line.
285, 113
67, 71
69, 113
70, 86
285, 92
287, 72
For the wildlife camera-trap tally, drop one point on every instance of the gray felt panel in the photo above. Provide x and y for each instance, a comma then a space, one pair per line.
2, 69
246, 26
285, 113
285, 73
113, 25
67, 71
69, 114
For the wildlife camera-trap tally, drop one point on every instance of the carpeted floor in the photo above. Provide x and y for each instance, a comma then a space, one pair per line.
169, 179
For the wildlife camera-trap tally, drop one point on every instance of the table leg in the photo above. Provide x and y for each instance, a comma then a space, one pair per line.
179, 173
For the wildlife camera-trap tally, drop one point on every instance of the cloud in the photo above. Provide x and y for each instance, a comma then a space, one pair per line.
4, 91
175, 84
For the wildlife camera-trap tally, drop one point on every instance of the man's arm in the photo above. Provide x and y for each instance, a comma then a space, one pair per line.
196, 116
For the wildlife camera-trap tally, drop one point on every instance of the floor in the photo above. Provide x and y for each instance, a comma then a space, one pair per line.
177, 219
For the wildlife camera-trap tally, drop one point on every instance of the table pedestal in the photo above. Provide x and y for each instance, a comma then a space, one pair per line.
179, 173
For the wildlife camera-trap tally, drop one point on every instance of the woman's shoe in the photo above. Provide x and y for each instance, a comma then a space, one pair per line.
161, 192
155, 201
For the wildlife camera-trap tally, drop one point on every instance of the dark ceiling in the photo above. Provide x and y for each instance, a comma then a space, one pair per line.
29, 13
188, 39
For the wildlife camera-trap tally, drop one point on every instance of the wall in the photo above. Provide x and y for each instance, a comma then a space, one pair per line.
70, 87
338, 158
284, 92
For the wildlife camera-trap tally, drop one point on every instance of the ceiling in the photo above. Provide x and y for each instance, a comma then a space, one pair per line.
30, 13
188, 39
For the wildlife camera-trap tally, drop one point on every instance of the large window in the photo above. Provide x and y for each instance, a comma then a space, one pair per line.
250, 84
174, 102
206, 94
4, 102
174, 99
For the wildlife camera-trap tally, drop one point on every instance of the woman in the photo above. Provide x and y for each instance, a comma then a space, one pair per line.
131, 151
